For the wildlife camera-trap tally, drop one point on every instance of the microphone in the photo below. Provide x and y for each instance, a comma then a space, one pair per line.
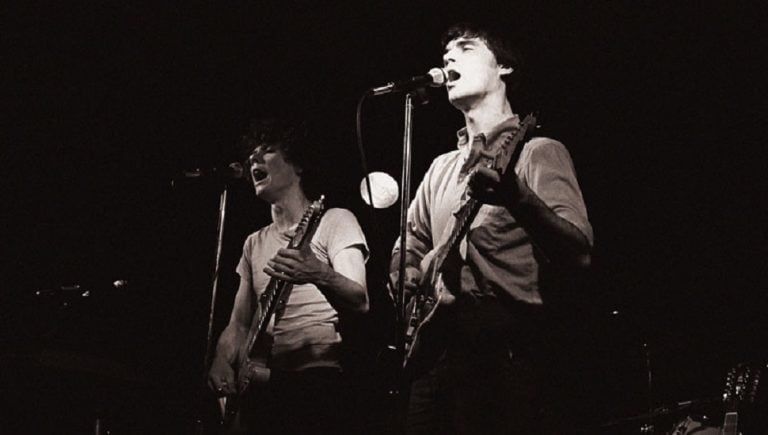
232, 171
436, 77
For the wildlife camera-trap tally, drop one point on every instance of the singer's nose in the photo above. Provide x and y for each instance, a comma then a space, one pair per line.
257, 156
448, 59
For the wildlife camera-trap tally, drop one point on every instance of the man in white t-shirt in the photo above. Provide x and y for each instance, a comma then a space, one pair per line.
304, 392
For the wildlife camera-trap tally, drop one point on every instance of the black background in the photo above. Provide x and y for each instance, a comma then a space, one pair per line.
106, 103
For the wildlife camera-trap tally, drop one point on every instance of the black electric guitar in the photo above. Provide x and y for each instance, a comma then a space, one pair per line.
425, 333
253, 355
740, 388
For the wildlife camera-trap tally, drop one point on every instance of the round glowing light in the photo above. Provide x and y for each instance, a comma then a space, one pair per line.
384, 190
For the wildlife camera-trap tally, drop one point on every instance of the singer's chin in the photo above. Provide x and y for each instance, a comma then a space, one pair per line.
459, 100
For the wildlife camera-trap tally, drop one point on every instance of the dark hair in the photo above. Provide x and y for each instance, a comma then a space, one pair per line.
506, 54
292, 138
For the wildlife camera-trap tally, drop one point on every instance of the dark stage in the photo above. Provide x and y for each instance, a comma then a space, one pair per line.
106, 103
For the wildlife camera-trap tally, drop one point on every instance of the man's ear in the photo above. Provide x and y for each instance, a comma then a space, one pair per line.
505, 70
296, 168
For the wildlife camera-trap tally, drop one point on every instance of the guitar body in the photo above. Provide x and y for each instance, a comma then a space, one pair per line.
427, 313
251, 370
426, 336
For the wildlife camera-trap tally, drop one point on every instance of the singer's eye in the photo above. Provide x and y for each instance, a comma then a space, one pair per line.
258, 153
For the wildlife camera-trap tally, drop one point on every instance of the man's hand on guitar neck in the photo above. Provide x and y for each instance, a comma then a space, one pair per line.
297, 266
343, 284
558, 238
490, 187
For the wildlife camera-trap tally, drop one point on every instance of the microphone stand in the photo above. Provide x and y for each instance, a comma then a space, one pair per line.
215, 283
420, 96
200, 426
405, 200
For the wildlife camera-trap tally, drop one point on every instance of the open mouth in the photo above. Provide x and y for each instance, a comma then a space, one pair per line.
453, 76
258, 174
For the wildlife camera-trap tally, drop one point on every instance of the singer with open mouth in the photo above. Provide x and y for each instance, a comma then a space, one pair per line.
485, 220
277, 362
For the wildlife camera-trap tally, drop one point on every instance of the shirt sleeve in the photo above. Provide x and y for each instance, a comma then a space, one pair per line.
341, 230
244, 266
551, 175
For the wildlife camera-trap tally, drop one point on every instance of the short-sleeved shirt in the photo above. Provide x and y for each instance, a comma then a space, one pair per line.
498, 254
307, 333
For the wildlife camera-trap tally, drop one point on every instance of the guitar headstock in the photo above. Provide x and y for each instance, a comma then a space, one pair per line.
741, 385
529, 123
311, 215
501, 161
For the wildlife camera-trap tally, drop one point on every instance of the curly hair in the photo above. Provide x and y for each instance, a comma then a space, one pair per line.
292, 138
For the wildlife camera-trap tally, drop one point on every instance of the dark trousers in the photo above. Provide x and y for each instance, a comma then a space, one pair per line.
491, 393
311, 401
488, 379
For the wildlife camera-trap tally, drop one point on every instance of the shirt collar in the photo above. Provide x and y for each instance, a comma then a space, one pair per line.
484, 143
510, 124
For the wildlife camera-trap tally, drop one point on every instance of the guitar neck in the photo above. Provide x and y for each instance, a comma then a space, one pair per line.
464, 217
277, 290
